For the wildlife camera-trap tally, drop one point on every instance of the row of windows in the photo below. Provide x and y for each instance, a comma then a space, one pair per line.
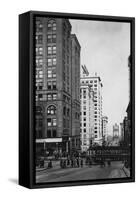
51, 25
51, 61
44, 97
51, 38
51, 50
51, 72
51, 85
51, 133
39, 74
92, 81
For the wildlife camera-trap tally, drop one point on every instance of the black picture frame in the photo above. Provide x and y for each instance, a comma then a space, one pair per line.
27, 102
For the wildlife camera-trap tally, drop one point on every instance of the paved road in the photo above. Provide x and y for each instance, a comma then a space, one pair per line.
86, 173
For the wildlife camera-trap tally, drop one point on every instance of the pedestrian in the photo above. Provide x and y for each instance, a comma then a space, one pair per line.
64, 163
77, 162
61, 163
72, 163
90, 163
109, 163
81, 162
50, 164
68, 162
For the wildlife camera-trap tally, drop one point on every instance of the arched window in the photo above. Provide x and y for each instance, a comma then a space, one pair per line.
51, 110
51, 25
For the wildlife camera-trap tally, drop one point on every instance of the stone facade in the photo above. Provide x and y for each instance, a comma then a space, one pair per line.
55, 93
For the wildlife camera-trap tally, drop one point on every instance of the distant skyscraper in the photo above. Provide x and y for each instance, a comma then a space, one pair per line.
122, 131
95, 83
104, 126
115, 130
87, 116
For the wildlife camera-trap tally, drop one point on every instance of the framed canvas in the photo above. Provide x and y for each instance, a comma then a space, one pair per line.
76, 99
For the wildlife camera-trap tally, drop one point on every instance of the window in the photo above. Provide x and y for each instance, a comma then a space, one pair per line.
84, 124
49, 122
54, 85
51, 110
54, 61
51, 50
49, 96
39, 51
51, 85
54, 96
54, 133
84, 113
54, 122
51, 72
51, 25
54, 26
51, 61
39, 39
54, 49
49, 133
51, 38
84, 130
39, 62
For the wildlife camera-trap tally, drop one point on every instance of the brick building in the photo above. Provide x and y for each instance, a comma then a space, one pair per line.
57, 86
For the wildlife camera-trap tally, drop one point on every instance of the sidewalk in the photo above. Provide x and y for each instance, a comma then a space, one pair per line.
55, 164
126, 171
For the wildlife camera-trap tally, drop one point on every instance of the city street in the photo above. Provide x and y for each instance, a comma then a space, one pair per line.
56, 174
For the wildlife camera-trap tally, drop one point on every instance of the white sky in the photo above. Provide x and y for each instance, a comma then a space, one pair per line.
105, 47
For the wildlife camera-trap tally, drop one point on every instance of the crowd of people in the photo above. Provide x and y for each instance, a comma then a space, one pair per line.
73, 162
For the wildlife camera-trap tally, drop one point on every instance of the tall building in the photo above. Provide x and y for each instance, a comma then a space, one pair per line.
95, 83
116, 130
104, 127
122, 132
115, 134
56, 61
75, 92
87, 116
